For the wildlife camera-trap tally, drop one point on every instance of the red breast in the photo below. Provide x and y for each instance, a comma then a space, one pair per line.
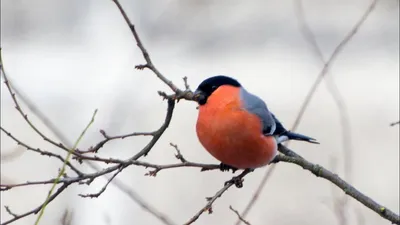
230, 133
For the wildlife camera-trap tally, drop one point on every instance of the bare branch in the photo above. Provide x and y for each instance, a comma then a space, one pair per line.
179, 94
178, 154
107, 138
62, 171
348, 189
42, 152
90, 177
102, 189
10, 212
395, 123
158, 133
211, 200
257, 193
25, 116
37, 209
185, 82
239, 216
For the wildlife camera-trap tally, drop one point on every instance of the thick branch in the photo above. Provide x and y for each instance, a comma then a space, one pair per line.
320, 171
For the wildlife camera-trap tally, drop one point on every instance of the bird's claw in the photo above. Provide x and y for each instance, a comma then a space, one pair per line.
224, 167
237, 181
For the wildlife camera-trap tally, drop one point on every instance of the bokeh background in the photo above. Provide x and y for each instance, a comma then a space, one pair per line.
71, 57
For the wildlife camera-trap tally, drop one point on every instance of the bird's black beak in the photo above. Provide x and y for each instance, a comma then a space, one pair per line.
199, 97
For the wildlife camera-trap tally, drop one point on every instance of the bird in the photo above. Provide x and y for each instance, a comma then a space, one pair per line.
236, 127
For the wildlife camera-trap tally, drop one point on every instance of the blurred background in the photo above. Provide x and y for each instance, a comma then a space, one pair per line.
71, 57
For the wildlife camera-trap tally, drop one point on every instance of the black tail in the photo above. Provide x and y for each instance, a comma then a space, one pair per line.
288, 135
299, 137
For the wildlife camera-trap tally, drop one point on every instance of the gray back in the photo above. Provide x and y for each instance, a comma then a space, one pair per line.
257, 106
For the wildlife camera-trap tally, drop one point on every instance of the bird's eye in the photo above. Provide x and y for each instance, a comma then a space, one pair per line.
214, 87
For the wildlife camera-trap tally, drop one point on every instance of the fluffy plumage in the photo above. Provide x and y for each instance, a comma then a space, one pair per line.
236, 127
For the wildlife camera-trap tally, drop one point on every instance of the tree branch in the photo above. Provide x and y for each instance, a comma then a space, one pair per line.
320, 171
42, 152
25, 116
211, 200
127, 190
395, 123
119, 165
88, 178
179, 94
238, 215
62, 170
102, 189
37, 209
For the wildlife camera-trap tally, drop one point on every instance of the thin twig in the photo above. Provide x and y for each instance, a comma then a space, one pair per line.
178, 153
102, 189
239, 216
10, 212
257, 193
37, 209
25, 116
395, 123
108, 138
211, 200
42, 152
157, 168
179, 94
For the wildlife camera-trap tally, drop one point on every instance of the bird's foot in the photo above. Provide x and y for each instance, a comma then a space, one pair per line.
224, 167
238, 180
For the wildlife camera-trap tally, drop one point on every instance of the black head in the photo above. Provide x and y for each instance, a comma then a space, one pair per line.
209, 85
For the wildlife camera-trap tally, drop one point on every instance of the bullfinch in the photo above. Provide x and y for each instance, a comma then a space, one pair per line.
236, 127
